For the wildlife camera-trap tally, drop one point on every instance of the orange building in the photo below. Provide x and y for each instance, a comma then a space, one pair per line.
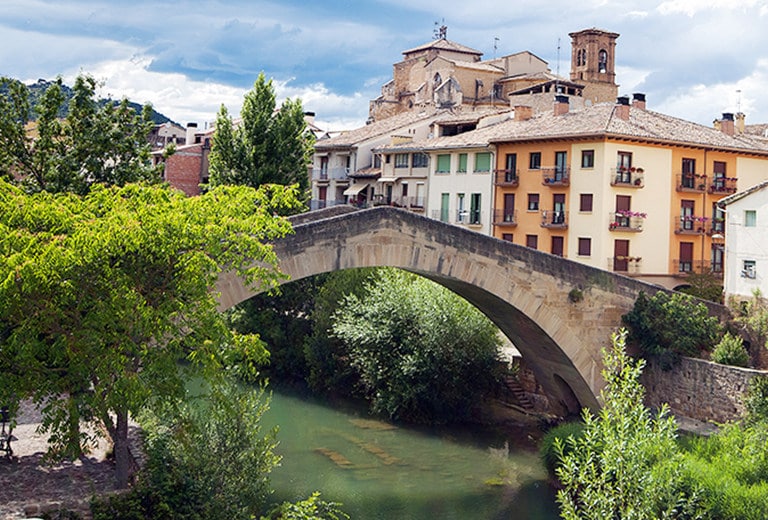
621, 187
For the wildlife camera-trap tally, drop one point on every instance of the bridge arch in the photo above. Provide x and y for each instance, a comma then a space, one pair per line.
525, 292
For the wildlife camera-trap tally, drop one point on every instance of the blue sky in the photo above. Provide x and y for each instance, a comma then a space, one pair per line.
693, 58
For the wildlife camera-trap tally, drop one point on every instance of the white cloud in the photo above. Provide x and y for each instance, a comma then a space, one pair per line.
692, 7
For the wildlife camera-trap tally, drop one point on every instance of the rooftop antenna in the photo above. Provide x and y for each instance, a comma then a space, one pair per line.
557, 76
738, 103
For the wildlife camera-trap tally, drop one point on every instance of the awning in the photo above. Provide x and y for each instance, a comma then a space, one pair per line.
387, 179
355, 189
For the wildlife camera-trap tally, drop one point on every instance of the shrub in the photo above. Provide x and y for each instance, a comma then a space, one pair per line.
563, 431
310, 509
626, 462
731, 351
756, 400
655, 325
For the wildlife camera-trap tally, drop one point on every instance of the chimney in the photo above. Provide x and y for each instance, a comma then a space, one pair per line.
638, 100
309, 117
622, 108
191, 131
523, 112
561, 105
726, 125
740, 123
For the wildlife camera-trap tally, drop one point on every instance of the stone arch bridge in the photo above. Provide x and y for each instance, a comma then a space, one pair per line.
526, 293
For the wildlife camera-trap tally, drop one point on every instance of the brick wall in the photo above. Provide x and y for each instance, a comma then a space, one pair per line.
182, 170
699, 389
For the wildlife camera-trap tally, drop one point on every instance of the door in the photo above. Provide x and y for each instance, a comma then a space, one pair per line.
688, 175
322, 195
686, 257
623, 204
444, 202
558, 206
623, 167
509, 207
718, 169
717, 258
389, 194
687, 208
510, 170
474, 209
561, 166
620, 255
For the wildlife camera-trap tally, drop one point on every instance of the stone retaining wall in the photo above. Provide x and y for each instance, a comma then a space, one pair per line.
699, 389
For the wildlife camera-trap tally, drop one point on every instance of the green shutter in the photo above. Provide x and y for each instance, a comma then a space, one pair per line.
444, 163
483, 162
463, 162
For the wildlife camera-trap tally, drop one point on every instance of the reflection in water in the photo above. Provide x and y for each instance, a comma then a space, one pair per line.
379, 471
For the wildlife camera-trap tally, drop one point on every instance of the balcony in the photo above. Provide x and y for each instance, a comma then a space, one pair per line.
723, 185
691, 183
555, 177
625, 264
508, 178
628, 178
326, 174
690, 225
554, 219
470, 218
685, 267
503, 217
716, 226
628, 221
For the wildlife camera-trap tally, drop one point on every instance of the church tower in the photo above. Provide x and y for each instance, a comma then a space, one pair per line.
593, 63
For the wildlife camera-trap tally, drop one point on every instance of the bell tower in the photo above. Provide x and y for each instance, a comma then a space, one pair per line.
593, 63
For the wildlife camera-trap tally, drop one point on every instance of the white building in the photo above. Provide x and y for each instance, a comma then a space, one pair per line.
746, 242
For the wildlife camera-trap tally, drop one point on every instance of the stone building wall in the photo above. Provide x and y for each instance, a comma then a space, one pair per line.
699, 389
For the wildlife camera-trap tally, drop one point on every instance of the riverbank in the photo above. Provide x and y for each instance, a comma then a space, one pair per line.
29, 487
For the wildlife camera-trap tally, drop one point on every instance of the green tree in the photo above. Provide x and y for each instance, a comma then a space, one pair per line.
102, 295
422, 353
94, 143
313, 508
666, 327
626, 463
265, 146
707, 286
752, 316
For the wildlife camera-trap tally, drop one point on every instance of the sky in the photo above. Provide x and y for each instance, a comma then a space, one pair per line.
694, 59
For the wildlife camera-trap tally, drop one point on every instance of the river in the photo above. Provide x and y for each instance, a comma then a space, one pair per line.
380, 471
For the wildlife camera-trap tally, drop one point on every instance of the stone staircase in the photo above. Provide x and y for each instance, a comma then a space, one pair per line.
517, 391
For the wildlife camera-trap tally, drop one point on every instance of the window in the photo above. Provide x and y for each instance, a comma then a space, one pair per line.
557, 246
420, 160
587, 158
750, 218
624, 161
602, 61
561, 166
534, 162
474, 208
718, 168
444, 202
388, 158
585, 202
401, 160
507, 237
376, 161
533, 202
585, 246
532, 241
462, 163
483, 162
749, 269
688, 176
462, 215
443, 163
510, 170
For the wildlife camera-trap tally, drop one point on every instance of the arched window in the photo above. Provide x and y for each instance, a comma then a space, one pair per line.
438, 80
602, 61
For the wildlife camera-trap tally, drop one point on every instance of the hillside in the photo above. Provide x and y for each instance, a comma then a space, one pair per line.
36, 91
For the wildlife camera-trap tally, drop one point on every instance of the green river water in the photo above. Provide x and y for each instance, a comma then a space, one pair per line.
379, 471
